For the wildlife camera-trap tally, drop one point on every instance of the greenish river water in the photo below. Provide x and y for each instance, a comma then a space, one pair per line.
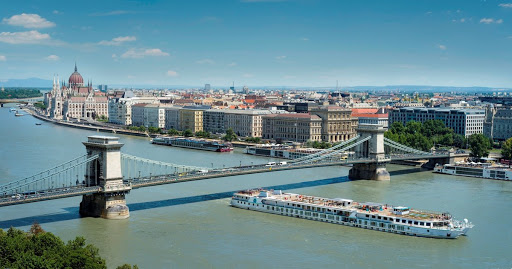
191, 224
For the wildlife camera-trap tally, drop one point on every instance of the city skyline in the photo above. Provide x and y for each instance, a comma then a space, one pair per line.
261, 42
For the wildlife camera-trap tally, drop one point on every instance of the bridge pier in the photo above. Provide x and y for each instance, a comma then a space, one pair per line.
105, 172
374, 149
369, 171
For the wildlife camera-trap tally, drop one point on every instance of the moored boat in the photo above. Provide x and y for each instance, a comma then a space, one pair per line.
368, 215
482, 170
193, 143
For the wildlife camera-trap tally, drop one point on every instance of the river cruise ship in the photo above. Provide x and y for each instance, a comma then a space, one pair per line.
475, 170
193, 144
367, 215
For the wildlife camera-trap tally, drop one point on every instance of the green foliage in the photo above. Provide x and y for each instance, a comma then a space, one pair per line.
154, 130
40, 249
173, 132
318, 144
230, 135
102, 118
460, 141
40, 105
479, 145
139, 129
188, 133
424, 135
203, 134
15, 93
506, 149
127, 266
253, 139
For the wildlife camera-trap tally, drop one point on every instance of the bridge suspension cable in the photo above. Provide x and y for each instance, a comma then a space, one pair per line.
51, 170
52, 178
335, 152
325, 150
136, 167
399, 146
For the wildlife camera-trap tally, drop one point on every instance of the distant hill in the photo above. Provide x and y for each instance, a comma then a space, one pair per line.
26, 82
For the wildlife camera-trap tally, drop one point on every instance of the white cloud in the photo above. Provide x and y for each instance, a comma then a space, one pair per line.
281, 57
28, 21
117, 41
232, 64
2, 58
56, 12
506, 5
53, 57
141, 53
205, 61
304, 39
462, 20
172, 73
29, 37
490, 20
442, 47
248, 75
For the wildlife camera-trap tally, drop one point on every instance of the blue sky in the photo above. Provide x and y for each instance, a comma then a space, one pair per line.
260, 42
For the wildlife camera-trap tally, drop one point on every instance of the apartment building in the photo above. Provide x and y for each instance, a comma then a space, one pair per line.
245, 123
299, 127
463, 121
337, 123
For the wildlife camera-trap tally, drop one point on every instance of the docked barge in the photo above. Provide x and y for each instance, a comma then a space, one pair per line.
193, 144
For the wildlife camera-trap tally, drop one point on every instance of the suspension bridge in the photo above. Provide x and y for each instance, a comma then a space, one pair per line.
104, 175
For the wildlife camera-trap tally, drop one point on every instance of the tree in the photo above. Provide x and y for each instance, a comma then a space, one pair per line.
459, 141
230, 135
506, 150
154, 130
173, 131
188, 133
203, 134
479, 145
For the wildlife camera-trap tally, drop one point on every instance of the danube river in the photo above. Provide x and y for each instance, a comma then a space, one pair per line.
191, 225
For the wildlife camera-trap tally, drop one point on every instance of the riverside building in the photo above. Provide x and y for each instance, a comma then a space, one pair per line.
463, 121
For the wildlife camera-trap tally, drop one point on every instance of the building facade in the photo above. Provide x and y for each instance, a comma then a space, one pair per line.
463, 121
300, 127
214, 121
120, 109
191, 119
172, 118
75, 100
498, 122
337, 123
245, 123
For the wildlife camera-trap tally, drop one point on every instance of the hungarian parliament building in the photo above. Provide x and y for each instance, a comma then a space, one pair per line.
76, 100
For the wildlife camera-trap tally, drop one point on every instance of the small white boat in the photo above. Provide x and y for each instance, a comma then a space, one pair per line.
13, 109
19, 114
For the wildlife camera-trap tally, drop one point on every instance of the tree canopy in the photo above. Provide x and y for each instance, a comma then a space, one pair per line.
40, 249
230, 135
506, 149
424, 135
479, 145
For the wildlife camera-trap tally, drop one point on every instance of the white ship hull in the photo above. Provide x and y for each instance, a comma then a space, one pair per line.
355, 219
468, 171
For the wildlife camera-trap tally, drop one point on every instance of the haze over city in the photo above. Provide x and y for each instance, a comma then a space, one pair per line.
260, 42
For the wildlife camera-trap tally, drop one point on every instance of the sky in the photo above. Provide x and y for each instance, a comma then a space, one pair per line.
309, 43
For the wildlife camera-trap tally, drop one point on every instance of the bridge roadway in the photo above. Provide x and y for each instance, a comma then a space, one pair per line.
136, 183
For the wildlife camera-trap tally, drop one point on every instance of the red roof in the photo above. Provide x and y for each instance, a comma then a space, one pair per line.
366, 115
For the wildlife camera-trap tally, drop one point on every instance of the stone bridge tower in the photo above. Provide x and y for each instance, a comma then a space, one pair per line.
105, 172
374, 149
